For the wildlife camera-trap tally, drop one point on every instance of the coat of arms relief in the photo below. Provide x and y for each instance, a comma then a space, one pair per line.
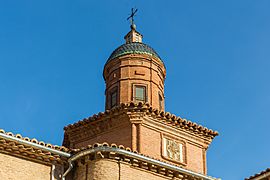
173, 150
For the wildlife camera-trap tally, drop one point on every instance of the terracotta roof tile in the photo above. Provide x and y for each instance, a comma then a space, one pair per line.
18, 149
133, 48
165, 117
258, 174
140, 163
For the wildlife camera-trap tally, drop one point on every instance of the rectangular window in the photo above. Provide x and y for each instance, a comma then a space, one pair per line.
113, 99
140, 93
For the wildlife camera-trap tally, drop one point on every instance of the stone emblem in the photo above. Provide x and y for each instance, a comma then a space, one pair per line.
173, 150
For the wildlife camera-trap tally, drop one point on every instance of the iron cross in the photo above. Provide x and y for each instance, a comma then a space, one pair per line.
133, 12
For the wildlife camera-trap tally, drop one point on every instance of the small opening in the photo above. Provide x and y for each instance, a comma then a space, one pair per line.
140, 93
137, 38
114, 98
160, 101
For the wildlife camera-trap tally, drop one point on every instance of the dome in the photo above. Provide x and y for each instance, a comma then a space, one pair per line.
133, 48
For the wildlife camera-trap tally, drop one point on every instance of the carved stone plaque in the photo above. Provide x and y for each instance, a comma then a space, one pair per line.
173, 150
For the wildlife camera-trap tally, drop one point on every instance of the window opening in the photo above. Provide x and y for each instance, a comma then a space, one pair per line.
140, 93
113, 98
160, 102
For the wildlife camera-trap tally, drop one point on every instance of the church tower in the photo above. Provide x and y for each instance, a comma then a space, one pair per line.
135, 114
134, 72
134, 138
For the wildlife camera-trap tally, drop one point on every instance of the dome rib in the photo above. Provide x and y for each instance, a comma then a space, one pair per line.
133, 48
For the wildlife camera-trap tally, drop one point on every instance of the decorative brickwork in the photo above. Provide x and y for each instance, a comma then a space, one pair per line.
112, 165
142, 128
135, 64
138, 110
263, 175
24, 158
31, 153
162, 145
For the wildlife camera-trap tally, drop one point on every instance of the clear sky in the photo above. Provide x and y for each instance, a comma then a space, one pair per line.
216, 53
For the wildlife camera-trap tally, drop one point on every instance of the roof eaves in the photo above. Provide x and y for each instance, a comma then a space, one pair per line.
31, 148
174, 120
264, 173
127, 153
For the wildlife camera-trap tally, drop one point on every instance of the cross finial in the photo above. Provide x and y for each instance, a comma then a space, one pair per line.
131, 17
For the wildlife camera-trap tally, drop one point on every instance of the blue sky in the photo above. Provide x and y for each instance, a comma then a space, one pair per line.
216, 54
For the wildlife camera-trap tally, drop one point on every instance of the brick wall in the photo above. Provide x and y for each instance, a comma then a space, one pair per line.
13, 168
120, 135
151, 145
144, 134
107, 169
126, 71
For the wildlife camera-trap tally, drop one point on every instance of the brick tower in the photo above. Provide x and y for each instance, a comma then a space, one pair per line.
134, 111
133, 139
134, 73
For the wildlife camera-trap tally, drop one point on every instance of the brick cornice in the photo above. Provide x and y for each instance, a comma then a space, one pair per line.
261, 175
29, 152
135, 159
191, 137
133, 109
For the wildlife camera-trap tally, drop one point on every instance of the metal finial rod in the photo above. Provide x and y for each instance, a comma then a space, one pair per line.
131, 17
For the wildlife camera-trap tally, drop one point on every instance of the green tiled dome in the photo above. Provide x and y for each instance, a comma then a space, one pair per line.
133, 48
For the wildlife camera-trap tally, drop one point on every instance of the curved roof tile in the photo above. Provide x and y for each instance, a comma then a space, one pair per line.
34, 140
258, 174
169, 118
133, 48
